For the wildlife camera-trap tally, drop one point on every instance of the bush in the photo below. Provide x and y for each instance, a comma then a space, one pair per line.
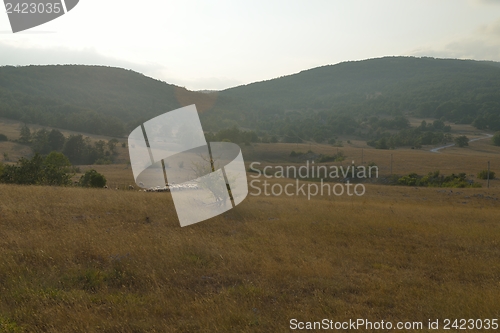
58, 160
35, 171
434, 179
496, 139
92, 178
462, 141
103, 161
3, 137
484, 175
339, 157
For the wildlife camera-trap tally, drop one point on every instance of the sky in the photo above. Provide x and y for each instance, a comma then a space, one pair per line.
215, 45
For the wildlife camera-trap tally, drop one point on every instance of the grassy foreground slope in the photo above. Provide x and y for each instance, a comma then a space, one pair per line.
81, 260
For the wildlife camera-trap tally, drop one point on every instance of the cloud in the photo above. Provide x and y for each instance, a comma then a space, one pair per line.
22, 56
492, 29
481, 44
489, 2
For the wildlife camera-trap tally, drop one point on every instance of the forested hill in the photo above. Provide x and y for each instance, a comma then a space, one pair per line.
330, 99
384, 84
94, 99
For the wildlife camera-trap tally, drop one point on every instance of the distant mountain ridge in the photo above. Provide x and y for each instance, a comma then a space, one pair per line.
386, 75
112, 101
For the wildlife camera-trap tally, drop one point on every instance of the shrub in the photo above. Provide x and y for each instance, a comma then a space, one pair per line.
434, 179
35, 171
484, 175
92, 178
58, 160
3, 137
462, 141
103, 161
496, 139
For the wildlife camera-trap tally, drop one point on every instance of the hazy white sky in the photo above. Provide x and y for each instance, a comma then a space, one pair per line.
219, 44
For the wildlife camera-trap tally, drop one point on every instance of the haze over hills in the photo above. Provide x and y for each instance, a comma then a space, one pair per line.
329, 100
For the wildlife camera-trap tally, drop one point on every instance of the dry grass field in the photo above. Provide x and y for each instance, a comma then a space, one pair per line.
97, 260
82, 260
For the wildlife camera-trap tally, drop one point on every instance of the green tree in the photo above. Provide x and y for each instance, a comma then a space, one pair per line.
40, 141
112, 145
92, 178
25, 136
382, 144
57, 160
3, 137
462, 141
496, 139
75, 149
25, 172
56, 140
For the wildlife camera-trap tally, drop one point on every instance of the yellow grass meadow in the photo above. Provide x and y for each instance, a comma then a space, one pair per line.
96, 260
116, 260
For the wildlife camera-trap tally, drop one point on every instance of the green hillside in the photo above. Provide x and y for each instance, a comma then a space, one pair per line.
357, 97
391, 85
93, 99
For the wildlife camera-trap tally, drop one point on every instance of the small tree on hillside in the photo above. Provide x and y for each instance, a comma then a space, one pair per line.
112, 145
25, 136
462, 141
496, 139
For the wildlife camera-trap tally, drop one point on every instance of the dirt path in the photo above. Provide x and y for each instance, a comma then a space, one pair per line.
436, 150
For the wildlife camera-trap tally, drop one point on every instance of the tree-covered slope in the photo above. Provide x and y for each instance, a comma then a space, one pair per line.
460, 91
328, 100
95, 99
409, 81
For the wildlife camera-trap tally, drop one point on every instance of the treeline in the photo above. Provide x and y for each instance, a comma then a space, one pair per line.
79, 150
47, 112
232, 134
435, 179
483, 113
321, 127
317, 104
296, 127
425, 134
53, 170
